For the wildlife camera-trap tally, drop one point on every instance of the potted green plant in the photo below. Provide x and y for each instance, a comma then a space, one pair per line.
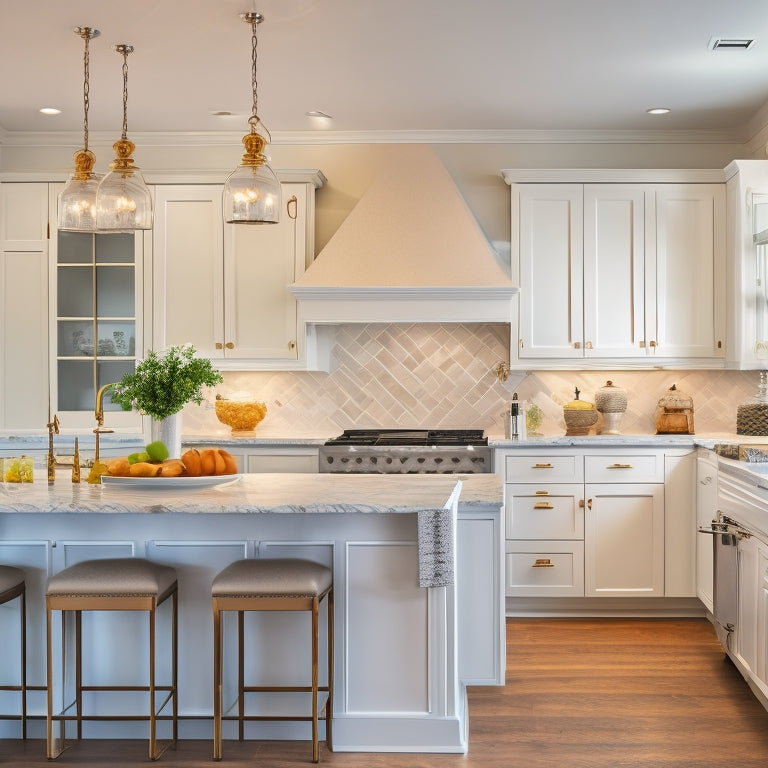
162, 384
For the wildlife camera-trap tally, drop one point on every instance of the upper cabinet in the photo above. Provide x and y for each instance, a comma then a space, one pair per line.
747, 195
618, 274
23, 306
96, 319
224, 287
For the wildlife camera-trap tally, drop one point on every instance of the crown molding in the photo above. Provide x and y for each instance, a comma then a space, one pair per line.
288, 138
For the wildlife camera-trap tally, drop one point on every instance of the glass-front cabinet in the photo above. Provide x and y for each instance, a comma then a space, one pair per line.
96, 324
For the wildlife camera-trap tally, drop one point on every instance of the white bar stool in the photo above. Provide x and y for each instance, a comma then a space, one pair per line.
121, 584
280, 584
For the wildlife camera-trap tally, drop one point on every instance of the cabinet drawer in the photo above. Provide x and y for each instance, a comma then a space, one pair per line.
544, 568
553, 512
544, 468
634, 468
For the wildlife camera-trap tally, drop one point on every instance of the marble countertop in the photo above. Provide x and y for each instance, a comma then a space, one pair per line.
258, 493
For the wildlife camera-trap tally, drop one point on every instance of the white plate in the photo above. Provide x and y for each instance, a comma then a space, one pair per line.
176, 483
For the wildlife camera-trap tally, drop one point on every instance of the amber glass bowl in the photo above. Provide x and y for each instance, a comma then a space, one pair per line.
240, 415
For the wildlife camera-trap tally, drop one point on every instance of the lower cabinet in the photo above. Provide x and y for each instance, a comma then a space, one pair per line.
268, 459
599, 522
624, 540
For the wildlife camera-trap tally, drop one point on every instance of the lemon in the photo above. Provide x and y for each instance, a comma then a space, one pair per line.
578, 405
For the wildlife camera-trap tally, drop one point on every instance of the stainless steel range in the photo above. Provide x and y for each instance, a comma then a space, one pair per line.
398, 451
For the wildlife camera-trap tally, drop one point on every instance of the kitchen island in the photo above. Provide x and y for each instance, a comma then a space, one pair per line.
417, 563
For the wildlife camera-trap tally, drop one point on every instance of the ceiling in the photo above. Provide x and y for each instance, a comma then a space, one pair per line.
395, 66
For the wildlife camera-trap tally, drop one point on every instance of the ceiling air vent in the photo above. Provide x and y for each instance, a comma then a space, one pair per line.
731, 43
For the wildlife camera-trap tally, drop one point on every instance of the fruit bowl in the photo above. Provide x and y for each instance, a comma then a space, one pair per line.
240, 415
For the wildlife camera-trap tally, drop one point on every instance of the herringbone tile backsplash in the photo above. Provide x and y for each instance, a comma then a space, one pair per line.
442, 376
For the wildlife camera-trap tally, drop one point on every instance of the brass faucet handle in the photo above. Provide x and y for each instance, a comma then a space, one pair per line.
102, 430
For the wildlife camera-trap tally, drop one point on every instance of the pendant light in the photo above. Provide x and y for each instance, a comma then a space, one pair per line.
123, 202
77, 201
252, 191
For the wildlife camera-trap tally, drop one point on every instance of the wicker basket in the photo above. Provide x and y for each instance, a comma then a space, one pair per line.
578, 421
752, 419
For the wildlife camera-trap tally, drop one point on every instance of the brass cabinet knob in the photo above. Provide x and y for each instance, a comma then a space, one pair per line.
229, 345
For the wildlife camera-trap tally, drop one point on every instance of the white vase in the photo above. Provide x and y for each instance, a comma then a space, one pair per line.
169, 431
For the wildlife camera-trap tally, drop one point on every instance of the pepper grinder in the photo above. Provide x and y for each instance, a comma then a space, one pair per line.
53, 426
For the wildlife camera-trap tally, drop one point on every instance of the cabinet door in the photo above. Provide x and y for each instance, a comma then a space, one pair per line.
188, 277
706, 512
614, 264
689, 312
624, 540
550, 267
260, 263
23, 306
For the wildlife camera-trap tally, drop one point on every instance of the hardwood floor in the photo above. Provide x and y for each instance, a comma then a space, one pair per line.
580, 693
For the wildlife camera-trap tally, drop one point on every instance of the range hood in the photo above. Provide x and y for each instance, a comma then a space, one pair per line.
409, 251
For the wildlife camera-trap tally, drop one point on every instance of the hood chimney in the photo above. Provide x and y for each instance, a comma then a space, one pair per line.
409, 251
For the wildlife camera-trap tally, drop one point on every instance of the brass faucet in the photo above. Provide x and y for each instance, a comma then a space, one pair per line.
99, 413
53, 427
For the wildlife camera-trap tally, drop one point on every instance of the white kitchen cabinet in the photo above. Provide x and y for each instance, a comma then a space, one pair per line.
224, 287
706, 512
96, 320
747, 264
598, 522
24, 306
624, 540
277, 459
618, 273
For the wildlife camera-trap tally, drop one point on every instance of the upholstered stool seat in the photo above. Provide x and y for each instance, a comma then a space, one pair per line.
280, 584
122, 584
13, 585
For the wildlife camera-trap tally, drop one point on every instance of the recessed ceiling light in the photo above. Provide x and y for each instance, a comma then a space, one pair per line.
658, 110
50, 111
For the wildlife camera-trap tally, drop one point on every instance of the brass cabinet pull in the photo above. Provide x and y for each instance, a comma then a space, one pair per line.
641, 344
542, 493
229, 345
589, 503
652, 344
581, 503
295, 203
291, 345
588, 345
219, 345
619, 466
542, 466
577, 345
543, 562
543, 505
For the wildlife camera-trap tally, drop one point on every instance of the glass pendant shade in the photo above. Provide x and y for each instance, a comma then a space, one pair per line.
77, 201
123, 202
252, 192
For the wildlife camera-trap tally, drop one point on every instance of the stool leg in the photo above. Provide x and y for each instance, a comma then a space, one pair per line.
241, 675
152, 724
175, 662
315, 638
329, 701
216, 681
23, 618
49, 752
79, 671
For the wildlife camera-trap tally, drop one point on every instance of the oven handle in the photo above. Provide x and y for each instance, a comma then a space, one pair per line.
729, 529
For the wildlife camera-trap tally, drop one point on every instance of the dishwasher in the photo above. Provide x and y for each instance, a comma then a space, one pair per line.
726, 534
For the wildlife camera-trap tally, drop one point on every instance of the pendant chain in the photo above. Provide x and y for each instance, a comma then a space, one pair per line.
86, 88
125, 53
253, 72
